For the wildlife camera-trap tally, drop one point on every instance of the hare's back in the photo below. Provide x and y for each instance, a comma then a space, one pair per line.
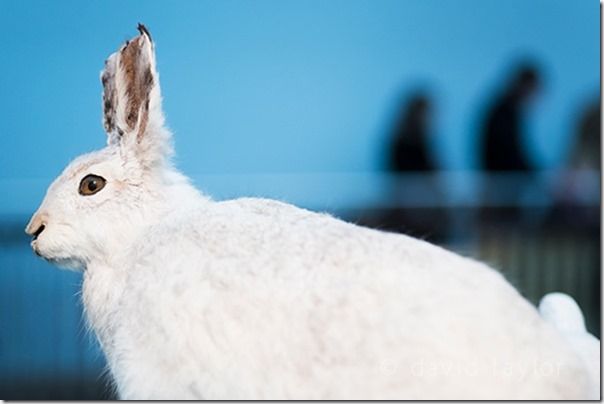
284, 291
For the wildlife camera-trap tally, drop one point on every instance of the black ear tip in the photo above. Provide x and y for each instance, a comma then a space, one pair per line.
144, 31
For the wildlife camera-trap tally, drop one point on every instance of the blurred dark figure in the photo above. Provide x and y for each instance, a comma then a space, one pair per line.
510, 181
415, 191
586, 154
502, 148
577, 193
410, 137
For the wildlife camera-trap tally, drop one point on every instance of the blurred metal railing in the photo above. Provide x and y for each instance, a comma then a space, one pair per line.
537, 259
549, 261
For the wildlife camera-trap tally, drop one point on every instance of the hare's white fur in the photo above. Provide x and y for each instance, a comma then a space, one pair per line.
254, 298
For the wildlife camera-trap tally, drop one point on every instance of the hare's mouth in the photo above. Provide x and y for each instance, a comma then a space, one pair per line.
34, 246
71, 263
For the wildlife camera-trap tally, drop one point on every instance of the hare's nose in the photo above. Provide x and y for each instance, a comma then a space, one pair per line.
40, 230
36, 226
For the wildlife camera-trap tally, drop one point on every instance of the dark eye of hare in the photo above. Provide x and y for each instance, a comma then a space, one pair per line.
91, 184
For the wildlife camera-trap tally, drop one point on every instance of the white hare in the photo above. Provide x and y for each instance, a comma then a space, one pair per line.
257, 299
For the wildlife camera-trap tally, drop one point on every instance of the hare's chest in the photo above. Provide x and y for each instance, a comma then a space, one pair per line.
144, 323
102, 292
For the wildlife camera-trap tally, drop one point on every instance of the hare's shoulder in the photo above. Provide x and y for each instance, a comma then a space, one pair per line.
245, 219
231, 229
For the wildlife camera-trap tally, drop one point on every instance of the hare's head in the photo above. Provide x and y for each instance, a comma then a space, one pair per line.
106, 197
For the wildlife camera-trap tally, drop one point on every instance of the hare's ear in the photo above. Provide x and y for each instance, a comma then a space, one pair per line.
132, 110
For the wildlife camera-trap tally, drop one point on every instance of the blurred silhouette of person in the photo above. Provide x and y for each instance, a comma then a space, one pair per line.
410, 138
577, 194
502, 151
414, 192
586, 154
502, 148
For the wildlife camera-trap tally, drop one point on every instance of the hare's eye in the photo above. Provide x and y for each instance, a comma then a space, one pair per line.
91, 184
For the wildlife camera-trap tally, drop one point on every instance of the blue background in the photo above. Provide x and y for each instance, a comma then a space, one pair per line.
288, 87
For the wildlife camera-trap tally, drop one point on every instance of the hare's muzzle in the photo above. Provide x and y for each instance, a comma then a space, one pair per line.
36, 226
